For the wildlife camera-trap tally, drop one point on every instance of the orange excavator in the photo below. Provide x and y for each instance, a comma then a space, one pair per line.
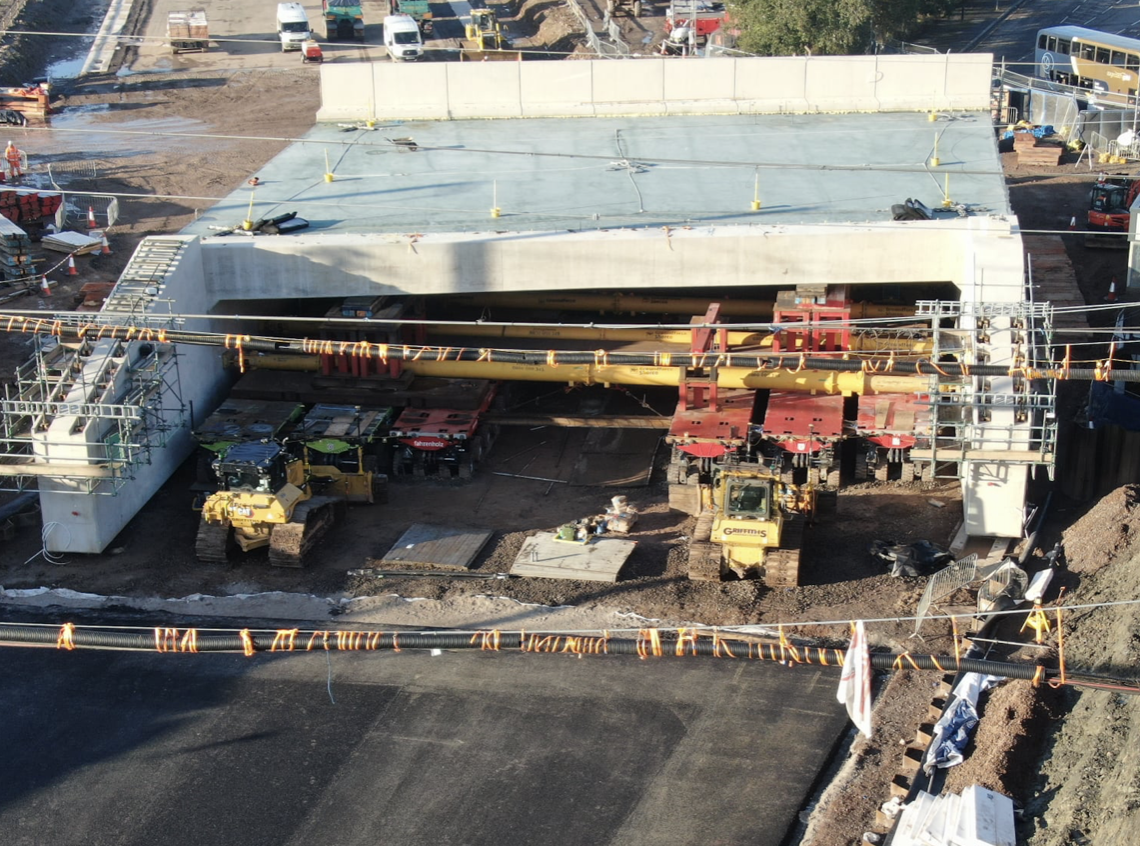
1109, 202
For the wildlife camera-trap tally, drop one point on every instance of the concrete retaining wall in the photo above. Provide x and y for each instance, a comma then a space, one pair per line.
89, 523
592, 88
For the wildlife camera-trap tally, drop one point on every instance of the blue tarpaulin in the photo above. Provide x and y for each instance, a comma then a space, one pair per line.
1036, 132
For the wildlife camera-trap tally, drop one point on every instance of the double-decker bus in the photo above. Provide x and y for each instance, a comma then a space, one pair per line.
1084, 58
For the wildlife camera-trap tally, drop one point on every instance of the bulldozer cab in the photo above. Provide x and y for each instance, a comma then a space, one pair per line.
483, 20
257, 468
748, 499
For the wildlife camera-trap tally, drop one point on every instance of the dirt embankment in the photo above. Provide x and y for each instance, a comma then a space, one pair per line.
1087, 786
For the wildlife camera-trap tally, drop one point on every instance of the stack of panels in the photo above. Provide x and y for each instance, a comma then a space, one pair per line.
16, 260
71, 242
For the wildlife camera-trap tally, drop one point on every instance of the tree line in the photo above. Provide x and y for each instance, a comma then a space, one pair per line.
829, 27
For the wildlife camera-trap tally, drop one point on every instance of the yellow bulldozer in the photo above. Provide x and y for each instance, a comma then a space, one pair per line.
485, 40
265, 498
751, 525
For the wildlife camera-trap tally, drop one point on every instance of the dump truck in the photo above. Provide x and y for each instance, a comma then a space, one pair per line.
417, 10
264, 499
344, 20
752, 527
188, 30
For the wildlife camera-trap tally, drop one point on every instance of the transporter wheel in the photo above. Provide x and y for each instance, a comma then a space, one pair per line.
861, 469
906, 471
882, 471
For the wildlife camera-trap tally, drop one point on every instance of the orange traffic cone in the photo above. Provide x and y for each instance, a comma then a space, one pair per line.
106, 247
91, 217
71, 271
45, 288
1110, 297
1072, 224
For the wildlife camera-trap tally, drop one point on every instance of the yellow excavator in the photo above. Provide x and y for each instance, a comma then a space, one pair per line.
750, 526
265, 498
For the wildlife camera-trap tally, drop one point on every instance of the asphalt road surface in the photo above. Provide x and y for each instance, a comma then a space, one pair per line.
463, 748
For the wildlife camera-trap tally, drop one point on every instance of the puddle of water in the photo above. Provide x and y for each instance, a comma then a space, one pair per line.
67, 68
90, 120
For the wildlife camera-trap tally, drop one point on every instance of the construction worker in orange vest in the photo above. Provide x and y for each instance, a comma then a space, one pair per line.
15, 160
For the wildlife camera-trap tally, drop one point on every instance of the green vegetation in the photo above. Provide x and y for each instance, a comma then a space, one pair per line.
829, 27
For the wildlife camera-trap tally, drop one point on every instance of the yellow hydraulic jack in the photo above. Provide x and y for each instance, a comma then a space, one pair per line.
1038, 621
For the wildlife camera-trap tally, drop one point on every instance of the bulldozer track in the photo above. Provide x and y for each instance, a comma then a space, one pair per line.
211, 546
782, 566
704, 556
290, 542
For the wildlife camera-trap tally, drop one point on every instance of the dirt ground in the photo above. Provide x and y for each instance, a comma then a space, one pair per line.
1063, 755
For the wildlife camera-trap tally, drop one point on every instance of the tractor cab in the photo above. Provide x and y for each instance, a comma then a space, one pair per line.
257, 467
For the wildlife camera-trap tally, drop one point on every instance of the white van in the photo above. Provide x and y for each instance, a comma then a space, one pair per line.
402, 38
292, 25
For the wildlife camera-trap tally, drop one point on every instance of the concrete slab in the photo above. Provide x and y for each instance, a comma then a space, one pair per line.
600, 560
612, 173
438, 546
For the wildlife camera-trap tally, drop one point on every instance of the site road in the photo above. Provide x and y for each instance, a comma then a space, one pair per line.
243, 36
473, 748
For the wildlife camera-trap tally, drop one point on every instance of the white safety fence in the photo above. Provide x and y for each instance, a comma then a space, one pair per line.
943, 583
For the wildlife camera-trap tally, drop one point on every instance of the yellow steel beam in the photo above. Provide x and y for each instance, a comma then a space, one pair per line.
631, 303
682, 337
811, 381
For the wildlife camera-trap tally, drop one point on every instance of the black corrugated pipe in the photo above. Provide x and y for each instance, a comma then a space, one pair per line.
660, 645
496, 641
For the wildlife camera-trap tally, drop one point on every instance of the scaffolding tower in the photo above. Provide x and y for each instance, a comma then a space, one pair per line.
88, 413
971, 420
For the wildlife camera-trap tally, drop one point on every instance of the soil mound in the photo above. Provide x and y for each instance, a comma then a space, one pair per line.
1106, 531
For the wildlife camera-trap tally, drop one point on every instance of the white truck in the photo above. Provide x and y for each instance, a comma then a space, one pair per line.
292, 26
402, 38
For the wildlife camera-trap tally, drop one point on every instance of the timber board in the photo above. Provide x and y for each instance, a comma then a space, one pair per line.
600, 560
454, 547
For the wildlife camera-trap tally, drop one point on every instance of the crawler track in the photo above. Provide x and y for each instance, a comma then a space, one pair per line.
782, 566
212, 545
290, 542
